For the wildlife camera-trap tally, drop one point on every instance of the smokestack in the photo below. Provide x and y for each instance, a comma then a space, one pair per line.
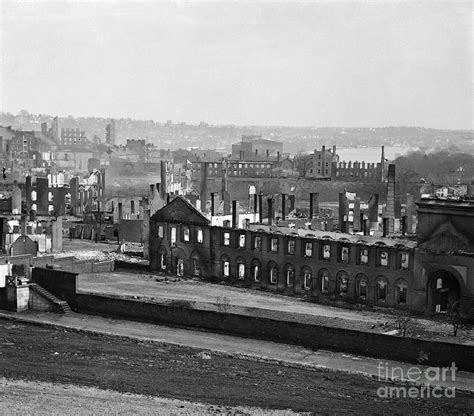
357, 224
343, 212
385, 226
152, 189
255, 203
235, 214
270, 211
313, 205
163, 178
120, 212
410, 211
23, 225
374, 212
334, 150
260, 207
390, 207
278, 156
213, 207
28, 194
204, 178
283, 206
292, 199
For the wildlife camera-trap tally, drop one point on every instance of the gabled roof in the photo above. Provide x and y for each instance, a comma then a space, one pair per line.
179, 211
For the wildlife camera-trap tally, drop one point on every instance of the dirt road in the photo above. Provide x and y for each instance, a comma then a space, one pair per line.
37, 353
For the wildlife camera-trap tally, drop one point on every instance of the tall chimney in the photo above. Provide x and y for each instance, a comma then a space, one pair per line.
357, 223
28, 194
260, 207
283, 206
163, 179
204, 178
343, 212
255, 203
213, 207
390, 207
120, 212
313, 205
270, 211
334, 150
132, 207
235, 214
374, 212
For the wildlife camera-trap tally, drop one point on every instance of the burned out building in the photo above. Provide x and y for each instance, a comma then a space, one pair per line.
325, 266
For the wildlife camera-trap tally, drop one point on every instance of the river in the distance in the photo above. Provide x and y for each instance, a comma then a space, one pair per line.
372, 154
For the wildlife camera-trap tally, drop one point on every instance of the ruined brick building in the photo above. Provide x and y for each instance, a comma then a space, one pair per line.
426, 275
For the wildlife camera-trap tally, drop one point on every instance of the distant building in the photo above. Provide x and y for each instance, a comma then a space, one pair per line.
321, 163
254, 148
72, 137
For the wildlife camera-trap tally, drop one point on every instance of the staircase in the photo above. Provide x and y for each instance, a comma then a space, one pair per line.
60, 306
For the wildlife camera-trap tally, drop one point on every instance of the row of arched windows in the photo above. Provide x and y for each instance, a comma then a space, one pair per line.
361, 287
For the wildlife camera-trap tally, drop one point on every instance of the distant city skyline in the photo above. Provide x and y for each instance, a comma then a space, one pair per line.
321, 64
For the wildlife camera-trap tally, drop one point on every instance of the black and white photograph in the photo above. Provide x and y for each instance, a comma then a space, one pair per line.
236, 207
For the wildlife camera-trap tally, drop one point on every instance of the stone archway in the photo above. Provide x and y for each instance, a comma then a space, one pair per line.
443, 290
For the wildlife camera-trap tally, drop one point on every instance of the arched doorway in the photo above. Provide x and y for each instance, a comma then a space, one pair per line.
443, 290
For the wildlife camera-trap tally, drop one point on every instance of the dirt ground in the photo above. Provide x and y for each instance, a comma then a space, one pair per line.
35, 353
203, 295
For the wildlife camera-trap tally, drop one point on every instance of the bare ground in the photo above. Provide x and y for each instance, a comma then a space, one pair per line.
35, 353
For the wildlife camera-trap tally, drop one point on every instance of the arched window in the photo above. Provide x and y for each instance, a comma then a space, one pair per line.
185, 233
180, 267
307, 275
162, 253
256, 270
225, 266
273, 273
240, 268
196, 264
361, 286
402, 292
342, 283
381, 289
289, 275
324, 280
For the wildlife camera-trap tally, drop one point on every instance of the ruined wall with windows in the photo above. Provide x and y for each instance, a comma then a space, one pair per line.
323, 267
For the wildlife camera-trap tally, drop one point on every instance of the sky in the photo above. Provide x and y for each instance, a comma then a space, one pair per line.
330, 63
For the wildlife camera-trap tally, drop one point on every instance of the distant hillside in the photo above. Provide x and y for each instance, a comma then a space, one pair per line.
174, 135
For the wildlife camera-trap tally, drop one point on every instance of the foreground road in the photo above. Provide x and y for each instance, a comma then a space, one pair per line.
37, 353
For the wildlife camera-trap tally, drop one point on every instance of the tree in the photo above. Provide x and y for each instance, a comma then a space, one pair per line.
454, 318
302, 163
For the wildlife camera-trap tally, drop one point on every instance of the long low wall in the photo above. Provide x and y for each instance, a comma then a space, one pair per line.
64, 285
310, 336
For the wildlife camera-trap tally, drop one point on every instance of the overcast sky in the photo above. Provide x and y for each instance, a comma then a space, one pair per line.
302, 64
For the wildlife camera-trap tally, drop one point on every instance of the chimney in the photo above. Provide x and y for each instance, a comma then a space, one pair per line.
23, 225
385, 226
260, 207
270, 211
278, 156
357, 223
28, 194
235, 214
334, 150
255, 203
313, 205
120, 212
343, 211
204, 179
390, 207
163, 171
213, 207
152, 189
132, 207
374, 212
283, 206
